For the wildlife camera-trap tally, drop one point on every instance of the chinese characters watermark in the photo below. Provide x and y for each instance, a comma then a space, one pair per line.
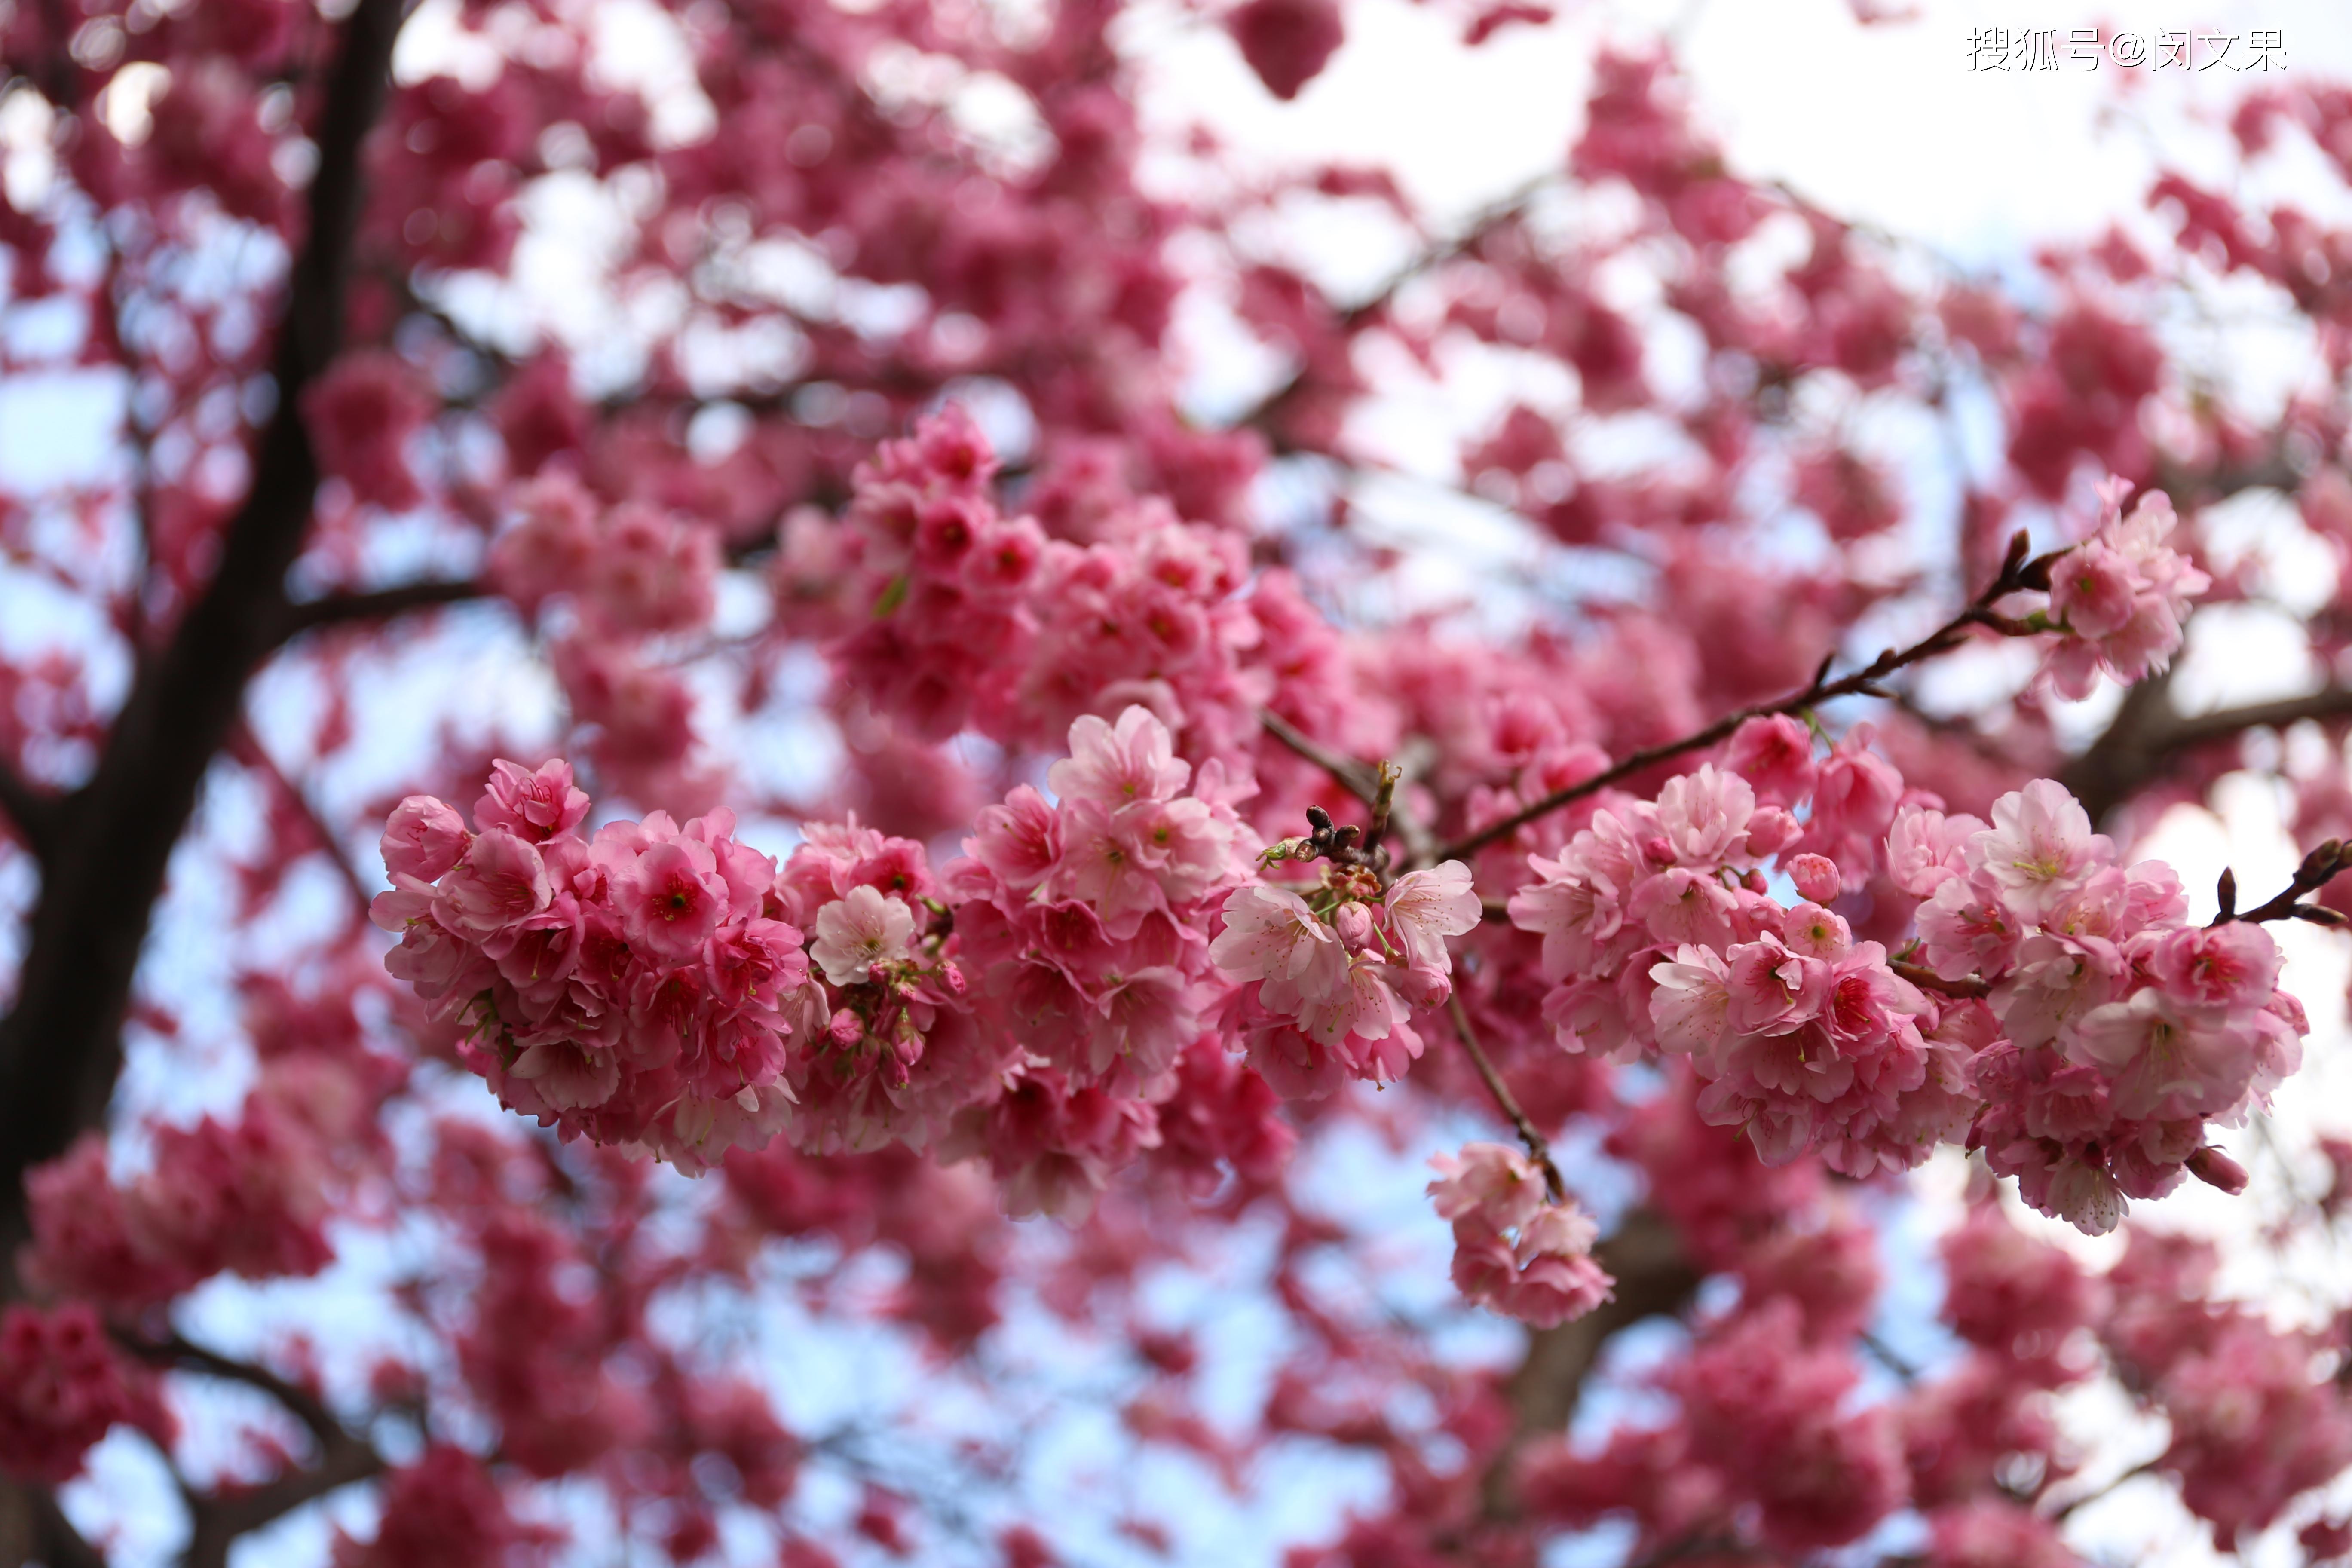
2050, 48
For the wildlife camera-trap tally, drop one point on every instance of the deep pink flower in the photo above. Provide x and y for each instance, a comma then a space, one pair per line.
671, 898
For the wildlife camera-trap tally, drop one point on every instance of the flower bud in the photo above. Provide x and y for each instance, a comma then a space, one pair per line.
1816, 877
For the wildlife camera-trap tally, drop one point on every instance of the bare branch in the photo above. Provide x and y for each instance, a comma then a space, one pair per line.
247, 746
2015, 576
220, 1517
1920, 975
1376, 787
1268, 413
1351, 776
2316, 869
1538, 1149
2147, 737
342, 609
60, 1045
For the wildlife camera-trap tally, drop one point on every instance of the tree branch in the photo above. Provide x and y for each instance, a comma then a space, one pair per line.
34, 814
60, 1045
220, 1517
1538, 1148
2147, 737
2016, 575
247, 746
343, 608
1267, 415
1376, 787
1655, 1277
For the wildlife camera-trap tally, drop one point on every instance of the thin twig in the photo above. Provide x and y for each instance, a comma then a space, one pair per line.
1377, 787
247, 744
2316, 871
2015, 576
1538, 1149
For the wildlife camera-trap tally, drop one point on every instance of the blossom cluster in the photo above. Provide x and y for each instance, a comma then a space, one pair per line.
637, 987
249, 1198
1086, 919
629, 572
1514, 1249
1333, 976
1658, 931
63, 1385
2121, 1030
2110, 1033
1032, 1003
948, 613
2120, 596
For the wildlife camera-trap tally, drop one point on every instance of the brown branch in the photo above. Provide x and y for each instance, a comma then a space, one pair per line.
1656, 1277
343, 608
33, 1529
246, 745
1351, 776
2017, 574
60, 1045
176, 1351
1538, 1149
1266, 414
1376, 787
220, 1517
2315, 872
2147, 737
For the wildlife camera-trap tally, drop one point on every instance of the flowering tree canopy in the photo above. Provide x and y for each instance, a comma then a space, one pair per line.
666, 721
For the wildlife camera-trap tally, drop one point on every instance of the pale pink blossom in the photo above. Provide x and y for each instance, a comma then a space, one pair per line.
2230, 965
1491, 1182
500, 882
1424, 907
1362, 1005
1926, 848
1691, 1009
2039, 850
1704, 815
856, 932
1117, 766
1272, 936
1773, 988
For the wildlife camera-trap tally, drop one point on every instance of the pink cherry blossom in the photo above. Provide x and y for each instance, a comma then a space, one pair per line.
856, 932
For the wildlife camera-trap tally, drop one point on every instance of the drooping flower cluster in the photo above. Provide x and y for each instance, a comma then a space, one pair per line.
893, 1048
1514, 1249
2121, 1030
1087, 920
2121, 596
636, 987
1335, 974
